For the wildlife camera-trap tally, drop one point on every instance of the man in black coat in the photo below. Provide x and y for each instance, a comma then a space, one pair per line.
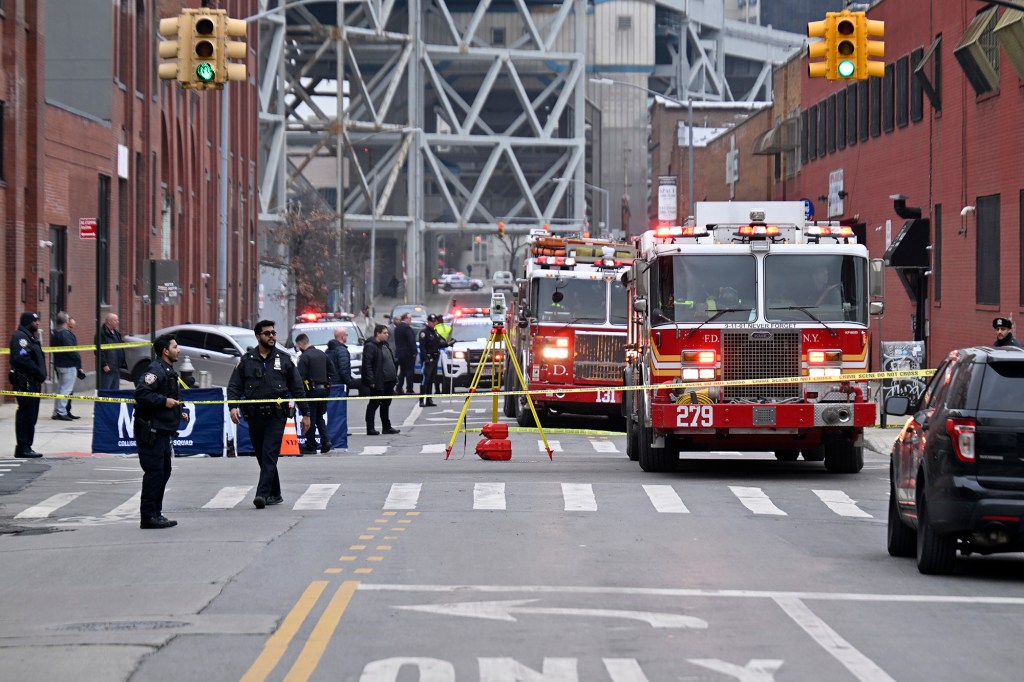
317, 377
28, 372
341, 359
112, 360
380, 374
405, 352
157, 415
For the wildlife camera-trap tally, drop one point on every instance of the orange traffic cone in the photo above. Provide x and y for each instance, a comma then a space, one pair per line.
290, 439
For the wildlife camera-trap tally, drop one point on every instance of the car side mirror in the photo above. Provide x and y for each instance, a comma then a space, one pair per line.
898, 405
231, 350
640, 305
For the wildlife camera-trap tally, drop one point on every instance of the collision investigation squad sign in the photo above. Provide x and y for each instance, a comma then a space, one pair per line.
203, 434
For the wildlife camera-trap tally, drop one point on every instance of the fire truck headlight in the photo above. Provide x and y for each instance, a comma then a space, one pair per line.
554, 353
690, 374
707, 374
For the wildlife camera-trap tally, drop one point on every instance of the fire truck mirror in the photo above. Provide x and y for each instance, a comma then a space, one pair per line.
641, 281
640, 305
876, 278
877, 307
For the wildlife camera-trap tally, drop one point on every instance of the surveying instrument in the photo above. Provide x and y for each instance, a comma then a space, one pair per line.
495, 445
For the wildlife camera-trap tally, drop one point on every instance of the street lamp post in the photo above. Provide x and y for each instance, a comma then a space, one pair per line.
604, 198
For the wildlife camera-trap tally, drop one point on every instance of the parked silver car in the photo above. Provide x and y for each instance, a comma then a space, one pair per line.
213, 348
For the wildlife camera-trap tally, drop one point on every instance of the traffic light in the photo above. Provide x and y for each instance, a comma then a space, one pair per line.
501, 230
234, 49
201, 50
868, 29
845, 47
178, 50
205, 48
822, 49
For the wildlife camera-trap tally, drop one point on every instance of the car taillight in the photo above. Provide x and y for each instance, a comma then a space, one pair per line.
961, 431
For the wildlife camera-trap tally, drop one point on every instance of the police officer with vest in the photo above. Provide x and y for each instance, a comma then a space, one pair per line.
317, 377
430, 352
28, 372
157, 415
266, 373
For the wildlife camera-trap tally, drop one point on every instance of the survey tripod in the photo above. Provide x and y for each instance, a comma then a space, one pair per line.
495, 350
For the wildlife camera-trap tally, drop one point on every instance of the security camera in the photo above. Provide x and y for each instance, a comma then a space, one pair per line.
965, 210
45, 244
898, 197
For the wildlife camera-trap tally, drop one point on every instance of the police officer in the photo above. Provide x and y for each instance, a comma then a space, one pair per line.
265, 373
28, 372
317, 377
1004, 332
430, 351
157, 415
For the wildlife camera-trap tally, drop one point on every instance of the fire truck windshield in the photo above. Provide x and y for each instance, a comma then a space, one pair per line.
581, 300
832, 287
698, 287
620, 303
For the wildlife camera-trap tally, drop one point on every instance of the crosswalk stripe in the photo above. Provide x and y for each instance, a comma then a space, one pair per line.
489, 496
604, 446
755, 500
665, 499
579, 497
129, 507
316, 496
555, 446
374, 449
403, 496
228, 497
48, 506
841, 503
432, 448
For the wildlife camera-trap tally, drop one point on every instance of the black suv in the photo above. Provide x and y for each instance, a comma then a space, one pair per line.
957, 469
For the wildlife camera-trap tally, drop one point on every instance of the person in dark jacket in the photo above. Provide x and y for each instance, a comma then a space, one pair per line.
341, 359
1004, 332
67, 365
265, 373
317, 377
430, 352
380, 374
405, 353
157, 415
28, 372
112, 360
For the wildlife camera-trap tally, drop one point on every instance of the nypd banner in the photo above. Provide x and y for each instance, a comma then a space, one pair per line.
336, 419
203, 434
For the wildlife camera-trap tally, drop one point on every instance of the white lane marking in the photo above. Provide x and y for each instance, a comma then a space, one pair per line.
129, 507
604, 446
579, 497
489, 496
403, 496
316, 496
624, 670
507, 610
756, 670
755, 500
665, 499
841, 503
431, 448
413, 416
555, 446
374, 449
228, 497
859, 665
48, 506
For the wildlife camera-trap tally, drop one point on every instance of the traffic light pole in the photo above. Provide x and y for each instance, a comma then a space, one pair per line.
222, 213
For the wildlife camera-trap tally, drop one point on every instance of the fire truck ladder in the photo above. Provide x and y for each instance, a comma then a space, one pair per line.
496, 341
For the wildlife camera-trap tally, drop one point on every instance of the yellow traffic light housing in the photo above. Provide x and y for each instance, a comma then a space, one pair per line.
178, 50
821, 49
868, 29
207, 52
235, 49
845, 47
201, 49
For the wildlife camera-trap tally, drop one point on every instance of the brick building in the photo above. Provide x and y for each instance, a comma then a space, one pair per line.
92, 137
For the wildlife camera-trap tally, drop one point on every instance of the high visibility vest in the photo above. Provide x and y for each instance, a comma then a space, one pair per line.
443, 330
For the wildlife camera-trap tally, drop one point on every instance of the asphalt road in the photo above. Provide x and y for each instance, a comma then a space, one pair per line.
390, 563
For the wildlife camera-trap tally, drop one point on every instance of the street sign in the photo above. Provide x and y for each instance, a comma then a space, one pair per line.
667, 210
168, 288
808, 209
87, 228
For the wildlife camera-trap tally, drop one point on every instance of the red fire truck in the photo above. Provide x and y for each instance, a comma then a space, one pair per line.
567, 326
749, 291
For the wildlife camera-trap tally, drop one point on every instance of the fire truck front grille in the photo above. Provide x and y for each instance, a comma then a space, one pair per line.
760, 355
599, 356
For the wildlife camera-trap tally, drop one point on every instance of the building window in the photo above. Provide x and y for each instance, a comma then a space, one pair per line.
812, 132
498, 37
804, 146
624, 22
978, 52
902, 92
916, 90
841, 119
851, 115
822, 129
103, 237
928, 73
888, 97
1020, 219
876, 106
863, 104
937, 253
142, 38
830, 125
3, 113
480, 251
986, 264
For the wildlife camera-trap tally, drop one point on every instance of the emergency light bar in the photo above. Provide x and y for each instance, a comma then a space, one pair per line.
322, 317
557, 261
471, 312
681, 231
838, 231
759, 231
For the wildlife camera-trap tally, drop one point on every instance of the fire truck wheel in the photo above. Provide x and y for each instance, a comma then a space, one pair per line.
843, 457
787, 455
813, 454
632, 445
509, 408
523, 415
652, 459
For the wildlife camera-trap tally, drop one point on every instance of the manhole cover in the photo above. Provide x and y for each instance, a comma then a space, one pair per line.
120, 625
22, 530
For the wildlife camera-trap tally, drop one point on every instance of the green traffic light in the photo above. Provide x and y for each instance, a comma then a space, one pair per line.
846, 68
204, 72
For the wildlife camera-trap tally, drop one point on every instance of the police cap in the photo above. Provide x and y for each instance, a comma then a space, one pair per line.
1002, 322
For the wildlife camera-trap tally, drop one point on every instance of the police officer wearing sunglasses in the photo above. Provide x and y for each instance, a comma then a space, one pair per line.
264, 373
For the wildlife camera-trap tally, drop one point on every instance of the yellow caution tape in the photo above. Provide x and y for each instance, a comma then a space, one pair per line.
69, 349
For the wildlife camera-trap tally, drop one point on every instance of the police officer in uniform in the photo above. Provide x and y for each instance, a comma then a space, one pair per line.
264, 373
430, 352
1004, 332
157, 415
28, 372
317, 377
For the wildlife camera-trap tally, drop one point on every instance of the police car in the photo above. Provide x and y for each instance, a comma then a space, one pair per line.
319, 327
471, 328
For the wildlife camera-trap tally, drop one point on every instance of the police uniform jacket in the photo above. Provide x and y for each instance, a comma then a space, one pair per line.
315, 369
1009, 340
430, 343
27, 356
158, 383
257, 379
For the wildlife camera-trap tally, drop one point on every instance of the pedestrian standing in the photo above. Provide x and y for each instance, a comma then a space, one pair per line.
317, 377
80, 373
112, 360
157, 416
1004, 332
405, 353
66, 365
341, 359
380, 374
265, 373
364, 320
28, 372
430, 353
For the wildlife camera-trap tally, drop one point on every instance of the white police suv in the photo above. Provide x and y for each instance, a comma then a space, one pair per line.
471, 328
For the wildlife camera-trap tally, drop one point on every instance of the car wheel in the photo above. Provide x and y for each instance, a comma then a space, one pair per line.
473, 287
447, 287
787, 455
936, 552
843, 457
901, 540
